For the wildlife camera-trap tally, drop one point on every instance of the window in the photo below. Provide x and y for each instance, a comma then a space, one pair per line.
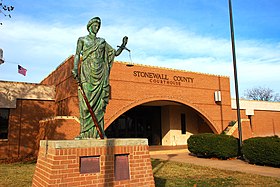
4, 123
183, 123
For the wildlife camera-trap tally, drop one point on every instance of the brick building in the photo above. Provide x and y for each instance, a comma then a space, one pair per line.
165, 106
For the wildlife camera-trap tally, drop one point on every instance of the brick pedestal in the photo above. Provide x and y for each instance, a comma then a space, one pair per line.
109, 162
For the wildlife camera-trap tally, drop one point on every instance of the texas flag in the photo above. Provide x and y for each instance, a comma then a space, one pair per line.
22, 70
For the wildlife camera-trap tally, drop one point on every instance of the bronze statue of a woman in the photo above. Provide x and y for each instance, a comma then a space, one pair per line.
93, 76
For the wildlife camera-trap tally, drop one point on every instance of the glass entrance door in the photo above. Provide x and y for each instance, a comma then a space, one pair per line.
139, 122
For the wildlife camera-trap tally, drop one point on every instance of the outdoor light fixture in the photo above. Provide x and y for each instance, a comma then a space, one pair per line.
217, 96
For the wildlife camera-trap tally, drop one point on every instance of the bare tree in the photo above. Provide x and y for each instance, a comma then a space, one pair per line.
261, 94
5, 10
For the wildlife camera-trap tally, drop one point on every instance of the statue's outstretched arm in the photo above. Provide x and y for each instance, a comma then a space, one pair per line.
122, 47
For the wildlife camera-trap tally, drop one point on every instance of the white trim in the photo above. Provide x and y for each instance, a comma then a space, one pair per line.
256, 105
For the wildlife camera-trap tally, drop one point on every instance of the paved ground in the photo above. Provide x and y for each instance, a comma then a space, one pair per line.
234, 165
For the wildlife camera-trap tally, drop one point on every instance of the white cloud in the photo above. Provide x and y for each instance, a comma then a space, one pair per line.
42, 47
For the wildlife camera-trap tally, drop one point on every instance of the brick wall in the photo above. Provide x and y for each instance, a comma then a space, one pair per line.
24, 127
58, 129
266, 123
263, 123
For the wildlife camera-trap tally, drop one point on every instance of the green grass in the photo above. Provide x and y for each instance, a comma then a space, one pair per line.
16, 174
166, 173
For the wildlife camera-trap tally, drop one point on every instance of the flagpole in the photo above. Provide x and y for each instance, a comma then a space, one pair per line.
235, 78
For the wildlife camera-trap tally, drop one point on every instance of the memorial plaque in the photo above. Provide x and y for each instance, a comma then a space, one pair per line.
89, 164
121, 167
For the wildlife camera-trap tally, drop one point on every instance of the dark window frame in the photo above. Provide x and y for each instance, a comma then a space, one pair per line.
183, 123
4, 123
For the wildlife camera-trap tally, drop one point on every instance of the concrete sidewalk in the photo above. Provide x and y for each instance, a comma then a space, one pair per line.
183, 155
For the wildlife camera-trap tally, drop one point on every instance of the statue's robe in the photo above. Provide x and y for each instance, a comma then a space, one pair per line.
94, 76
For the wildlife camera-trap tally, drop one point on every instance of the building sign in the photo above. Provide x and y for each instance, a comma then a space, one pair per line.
158, 78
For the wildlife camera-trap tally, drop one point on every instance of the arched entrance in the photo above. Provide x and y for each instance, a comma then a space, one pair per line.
161, 122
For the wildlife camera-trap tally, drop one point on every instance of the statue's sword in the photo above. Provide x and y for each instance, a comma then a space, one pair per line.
98, 128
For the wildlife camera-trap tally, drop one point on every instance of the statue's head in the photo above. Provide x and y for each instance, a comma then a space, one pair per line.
93, 20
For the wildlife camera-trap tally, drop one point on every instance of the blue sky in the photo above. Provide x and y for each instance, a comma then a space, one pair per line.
192, 35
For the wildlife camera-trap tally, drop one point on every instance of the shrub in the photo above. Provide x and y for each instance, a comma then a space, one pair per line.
213, 145
262, 150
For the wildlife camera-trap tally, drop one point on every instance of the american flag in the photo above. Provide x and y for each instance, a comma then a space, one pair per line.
22, 70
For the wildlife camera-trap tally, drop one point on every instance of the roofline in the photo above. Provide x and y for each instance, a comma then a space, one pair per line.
172, 69
71, 56
17, 82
